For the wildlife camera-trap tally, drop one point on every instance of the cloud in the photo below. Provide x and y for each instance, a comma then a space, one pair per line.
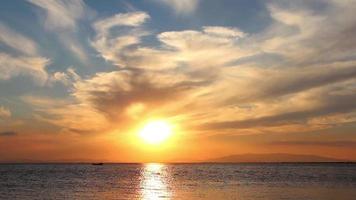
115, 100
294, 117
67, 78
26, 61
35, 67
317, 108
4, 112
181, 7
224, 31
305, 34
338, 144
7, 133
62, 18
62, 14
17, 41
132, 19
266, 82
124, 48
313, 69
112, 46
218, 76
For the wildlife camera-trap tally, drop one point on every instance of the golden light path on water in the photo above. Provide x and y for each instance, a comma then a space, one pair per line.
154, 185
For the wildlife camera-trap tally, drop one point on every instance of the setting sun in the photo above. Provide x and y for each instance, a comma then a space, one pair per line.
155, 132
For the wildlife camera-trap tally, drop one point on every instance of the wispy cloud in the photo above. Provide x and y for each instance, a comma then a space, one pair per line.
224, 31
67, 78
124, 48
110, 45
181, 7
62, 18
12, 66
133, 19
4, 112
17, 41
25, 61
62, 14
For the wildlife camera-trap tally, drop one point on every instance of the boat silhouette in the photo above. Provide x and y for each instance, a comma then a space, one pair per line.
97, 163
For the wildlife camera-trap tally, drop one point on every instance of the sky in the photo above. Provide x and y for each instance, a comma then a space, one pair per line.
79, 79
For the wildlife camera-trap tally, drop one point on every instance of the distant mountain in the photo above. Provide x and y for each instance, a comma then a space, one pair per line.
274, 157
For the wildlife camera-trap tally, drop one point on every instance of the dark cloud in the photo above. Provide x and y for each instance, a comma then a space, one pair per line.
282, 82
7, 133
113, 101
329, 104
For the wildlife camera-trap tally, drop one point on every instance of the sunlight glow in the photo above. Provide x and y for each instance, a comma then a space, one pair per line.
156, 132
154, 182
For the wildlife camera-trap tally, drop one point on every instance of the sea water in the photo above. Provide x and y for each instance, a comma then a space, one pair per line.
268, 181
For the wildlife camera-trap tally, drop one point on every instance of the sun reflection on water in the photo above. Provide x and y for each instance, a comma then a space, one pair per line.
154, 182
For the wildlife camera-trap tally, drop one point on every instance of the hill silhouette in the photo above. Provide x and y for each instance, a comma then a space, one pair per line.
273, 157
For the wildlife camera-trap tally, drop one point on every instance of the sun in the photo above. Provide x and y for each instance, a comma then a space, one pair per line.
155, 132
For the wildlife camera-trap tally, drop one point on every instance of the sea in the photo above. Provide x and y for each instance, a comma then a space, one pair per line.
154, 181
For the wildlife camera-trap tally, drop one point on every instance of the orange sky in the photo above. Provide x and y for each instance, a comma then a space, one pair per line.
260, 77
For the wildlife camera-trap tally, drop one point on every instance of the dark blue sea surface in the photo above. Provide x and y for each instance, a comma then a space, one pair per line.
303, 181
